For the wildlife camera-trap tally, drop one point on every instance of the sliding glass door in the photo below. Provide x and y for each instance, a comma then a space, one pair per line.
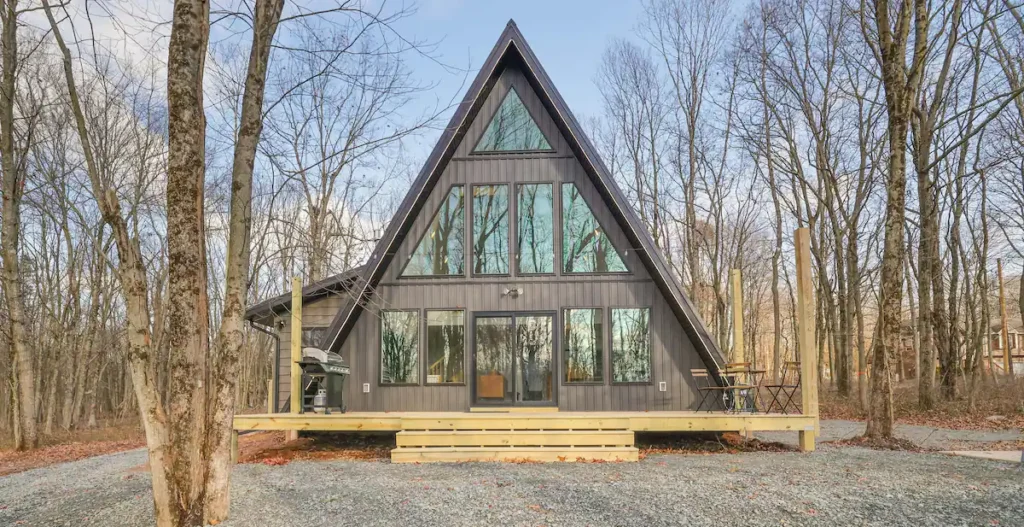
514, 359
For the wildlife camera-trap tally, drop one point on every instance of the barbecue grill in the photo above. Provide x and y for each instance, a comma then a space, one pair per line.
323, 380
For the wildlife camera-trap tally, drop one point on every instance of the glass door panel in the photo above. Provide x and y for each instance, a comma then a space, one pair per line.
534, 348
495, 369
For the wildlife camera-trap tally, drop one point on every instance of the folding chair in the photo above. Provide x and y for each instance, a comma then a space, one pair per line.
783, 393
709, 386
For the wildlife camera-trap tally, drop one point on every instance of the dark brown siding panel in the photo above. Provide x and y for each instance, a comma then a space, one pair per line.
672, 352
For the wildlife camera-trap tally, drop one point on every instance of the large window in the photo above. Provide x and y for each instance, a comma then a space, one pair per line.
512, 129
583, 346
399, 347
440, 251
585, 246
313, 337
631, 345
446, 337
490, 229
535, 229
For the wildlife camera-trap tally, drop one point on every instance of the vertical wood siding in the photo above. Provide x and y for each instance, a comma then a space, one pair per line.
672, 353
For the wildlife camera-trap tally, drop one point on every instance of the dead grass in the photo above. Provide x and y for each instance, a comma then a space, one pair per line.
270, 448
64, 446
1004, 399
703, 444
896, 444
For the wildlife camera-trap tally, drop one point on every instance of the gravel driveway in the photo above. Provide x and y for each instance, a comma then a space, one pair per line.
833, 486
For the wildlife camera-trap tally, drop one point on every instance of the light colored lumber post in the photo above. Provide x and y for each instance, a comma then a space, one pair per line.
234, 446
739, 354
1005, 322
737, 317
805, 336
296, 348
270, 396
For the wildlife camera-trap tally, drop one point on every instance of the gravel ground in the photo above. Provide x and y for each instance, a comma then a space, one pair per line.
925, 436
833, 486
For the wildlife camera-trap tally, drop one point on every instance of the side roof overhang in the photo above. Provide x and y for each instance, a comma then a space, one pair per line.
342, 283
512, 48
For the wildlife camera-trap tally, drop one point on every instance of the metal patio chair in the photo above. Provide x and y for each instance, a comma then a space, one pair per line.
708, 388
783, 394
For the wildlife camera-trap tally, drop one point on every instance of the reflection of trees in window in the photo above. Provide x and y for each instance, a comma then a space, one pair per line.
313, 337
490, 228
399, 347
585, 246
533, 335
512, 129
440, 251
494, 341
583, 345
535, 231
631, 345
446, 334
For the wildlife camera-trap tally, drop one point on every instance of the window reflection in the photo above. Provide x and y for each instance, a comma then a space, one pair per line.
535, 229
512, 129
441, 250
631, 345
585, 246
490, 229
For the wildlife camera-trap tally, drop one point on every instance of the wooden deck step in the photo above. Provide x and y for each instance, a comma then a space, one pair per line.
486, 421
508, 438
513, 409
512, 454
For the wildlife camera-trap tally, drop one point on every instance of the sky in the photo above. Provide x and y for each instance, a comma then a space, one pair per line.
568, 36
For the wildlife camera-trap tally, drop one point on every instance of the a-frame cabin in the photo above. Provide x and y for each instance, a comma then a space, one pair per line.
514, 275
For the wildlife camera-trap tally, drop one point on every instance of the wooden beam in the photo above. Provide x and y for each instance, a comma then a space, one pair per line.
1005, 322
513, 454
296, 346
234, 446
805, 330
270, 396
739, 354
296, 354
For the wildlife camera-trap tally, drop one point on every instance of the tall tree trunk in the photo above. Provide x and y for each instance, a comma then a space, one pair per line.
899, 83
13, 187
188, 304
231, 336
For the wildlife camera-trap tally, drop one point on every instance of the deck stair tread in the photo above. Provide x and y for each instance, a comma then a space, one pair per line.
508, 438
540, 454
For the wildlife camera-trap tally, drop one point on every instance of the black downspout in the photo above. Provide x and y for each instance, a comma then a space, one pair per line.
277, 361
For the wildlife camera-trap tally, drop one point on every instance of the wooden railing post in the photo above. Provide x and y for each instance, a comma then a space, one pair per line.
270, 396
737, 317
805, 336
296, 348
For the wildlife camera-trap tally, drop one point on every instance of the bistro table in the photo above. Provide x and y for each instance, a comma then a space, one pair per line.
746, 383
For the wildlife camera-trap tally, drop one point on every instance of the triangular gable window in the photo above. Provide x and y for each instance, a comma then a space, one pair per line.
441, 249
512, 129
586, 247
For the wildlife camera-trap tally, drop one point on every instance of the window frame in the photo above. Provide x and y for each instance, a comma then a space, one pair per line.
556, 237
605, 366
408, 259
561, 239
426, 350
511, 87
611, 347
380, 349
472, 229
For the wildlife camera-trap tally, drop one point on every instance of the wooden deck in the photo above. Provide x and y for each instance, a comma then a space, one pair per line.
536, 436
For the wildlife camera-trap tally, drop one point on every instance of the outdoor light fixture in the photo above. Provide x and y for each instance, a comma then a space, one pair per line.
513, 292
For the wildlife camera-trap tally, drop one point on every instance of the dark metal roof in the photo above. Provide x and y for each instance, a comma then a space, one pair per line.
339, 283
512, 48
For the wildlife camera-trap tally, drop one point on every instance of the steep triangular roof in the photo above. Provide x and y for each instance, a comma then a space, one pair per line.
512, 48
